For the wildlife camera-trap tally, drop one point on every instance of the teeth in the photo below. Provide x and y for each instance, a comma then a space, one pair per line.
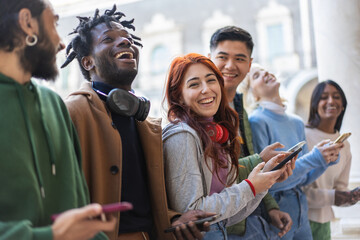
207, 100
229, 75
119, 55
331, 108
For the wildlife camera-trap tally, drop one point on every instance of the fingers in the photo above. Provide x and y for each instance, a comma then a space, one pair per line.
287, 173
273, 162
198, 214
178, 233
190, 231
186, 232
206, 227
275, 145
293, 161
287, 225
192, 215
89, 211
323, 142
259, 166
196, 233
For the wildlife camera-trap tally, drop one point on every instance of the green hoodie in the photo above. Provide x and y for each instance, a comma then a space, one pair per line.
40, 161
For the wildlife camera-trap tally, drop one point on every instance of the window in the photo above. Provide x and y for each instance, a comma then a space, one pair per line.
275, 41
159, 60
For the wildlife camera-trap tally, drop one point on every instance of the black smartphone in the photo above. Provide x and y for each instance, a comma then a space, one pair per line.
198, 223
294, 151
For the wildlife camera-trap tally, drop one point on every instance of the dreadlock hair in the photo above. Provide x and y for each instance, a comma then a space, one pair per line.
10, 31
80, 46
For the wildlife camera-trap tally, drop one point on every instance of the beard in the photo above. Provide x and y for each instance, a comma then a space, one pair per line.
40, 59
112, 74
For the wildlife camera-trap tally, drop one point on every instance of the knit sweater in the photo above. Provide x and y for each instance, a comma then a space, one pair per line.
321, 193
269, 127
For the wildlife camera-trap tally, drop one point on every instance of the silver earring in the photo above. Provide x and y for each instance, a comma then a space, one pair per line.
29, 42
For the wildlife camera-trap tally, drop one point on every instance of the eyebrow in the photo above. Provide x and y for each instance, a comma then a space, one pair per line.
197, 78
237, 55
116, 29
56, 17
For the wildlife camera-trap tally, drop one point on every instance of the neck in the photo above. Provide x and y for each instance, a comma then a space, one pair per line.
96, 78
230, 94
327, 126
275, 99
10, 66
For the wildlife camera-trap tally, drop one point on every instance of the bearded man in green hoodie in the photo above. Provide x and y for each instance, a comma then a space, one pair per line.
40, 167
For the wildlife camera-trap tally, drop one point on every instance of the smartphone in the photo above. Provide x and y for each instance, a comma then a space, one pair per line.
117, 207
342, 137
298, 145
294, 151
108, 208
198, 223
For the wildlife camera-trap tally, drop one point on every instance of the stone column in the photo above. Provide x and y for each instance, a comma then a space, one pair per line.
337, 36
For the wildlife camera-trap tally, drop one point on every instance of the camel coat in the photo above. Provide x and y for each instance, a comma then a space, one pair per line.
102, 156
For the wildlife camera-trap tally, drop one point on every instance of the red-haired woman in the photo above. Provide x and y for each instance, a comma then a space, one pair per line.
201, 148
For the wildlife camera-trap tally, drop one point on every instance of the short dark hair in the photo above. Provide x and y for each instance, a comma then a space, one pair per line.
231, 33
9, 26
81, 45
314, 118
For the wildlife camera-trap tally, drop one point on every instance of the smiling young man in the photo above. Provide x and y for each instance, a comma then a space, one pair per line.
122, 152
40, 166
230, 49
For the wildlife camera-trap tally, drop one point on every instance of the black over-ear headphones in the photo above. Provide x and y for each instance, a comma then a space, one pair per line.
126, 103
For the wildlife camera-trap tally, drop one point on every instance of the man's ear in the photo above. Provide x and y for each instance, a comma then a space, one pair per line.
87, 62
250, 62
28, 24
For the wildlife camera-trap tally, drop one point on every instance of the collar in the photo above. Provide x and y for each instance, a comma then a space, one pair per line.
276, 108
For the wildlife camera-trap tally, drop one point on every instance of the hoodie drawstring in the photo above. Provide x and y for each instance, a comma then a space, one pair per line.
49, 143
31, 140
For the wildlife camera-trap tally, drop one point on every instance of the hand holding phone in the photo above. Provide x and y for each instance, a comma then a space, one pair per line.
294, 151
198, 223
107, 208
342, 137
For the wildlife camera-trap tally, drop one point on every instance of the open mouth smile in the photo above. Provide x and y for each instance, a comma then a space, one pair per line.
207, 100
124, 55
229, 75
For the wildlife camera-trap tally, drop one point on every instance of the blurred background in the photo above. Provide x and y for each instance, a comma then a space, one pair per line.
301, 41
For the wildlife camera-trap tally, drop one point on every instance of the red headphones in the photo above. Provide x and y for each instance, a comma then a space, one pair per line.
217, 132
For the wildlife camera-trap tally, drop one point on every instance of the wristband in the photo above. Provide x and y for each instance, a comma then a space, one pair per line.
251, 186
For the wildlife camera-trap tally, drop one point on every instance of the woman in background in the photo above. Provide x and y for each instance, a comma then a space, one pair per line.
270, 123
201, 148
327, 109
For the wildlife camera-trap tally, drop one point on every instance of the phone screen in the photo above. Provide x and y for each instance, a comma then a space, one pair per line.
298, 145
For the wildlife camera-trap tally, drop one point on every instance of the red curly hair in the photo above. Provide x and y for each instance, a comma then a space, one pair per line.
226, 116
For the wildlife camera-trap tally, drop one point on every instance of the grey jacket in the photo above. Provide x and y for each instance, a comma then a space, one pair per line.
188, 179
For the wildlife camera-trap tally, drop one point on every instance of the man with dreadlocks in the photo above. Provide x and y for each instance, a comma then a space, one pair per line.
40, 167
122, 152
